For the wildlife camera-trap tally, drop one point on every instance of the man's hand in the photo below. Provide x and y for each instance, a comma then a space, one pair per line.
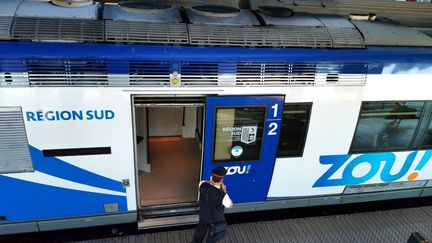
223, 187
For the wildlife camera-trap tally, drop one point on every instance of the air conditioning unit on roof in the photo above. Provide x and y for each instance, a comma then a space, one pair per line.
58, 9
72, 3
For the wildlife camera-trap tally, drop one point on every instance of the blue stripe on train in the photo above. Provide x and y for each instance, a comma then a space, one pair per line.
58, 168
23, 200
370, 55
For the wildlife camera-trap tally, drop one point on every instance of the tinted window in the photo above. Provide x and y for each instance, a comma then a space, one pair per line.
294, 129
386, 126
238, 135
427, 142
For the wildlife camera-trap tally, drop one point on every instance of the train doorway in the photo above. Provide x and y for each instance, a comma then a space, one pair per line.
168, 149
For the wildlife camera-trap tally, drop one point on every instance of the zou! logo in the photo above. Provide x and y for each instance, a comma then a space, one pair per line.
379, 163
232, 170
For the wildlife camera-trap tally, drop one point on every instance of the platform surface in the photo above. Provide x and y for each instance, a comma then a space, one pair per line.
380, 226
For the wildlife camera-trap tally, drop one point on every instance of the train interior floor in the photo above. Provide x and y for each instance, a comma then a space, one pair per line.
174, 175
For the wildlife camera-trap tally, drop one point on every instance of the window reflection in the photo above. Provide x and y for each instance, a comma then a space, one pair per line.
294, 129
386, 126
427, 142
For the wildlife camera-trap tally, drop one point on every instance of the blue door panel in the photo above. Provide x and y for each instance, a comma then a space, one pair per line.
247, 181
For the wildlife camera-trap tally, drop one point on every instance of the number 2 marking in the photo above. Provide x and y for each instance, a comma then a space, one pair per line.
273, 126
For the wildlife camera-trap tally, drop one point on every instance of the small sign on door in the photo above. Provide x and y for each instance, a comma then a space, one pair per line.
249, 134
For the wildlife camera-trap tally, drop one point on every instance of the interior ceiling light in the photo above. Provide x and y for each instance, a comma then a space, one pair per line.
274, 11
216, 10
140, 6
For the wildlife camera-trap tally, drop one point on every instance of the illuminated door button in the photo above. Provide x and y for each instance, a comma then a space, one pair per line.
236, 151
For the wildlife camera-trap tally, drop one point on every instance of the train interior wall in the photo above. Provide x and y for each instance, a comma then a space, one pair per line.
168, 154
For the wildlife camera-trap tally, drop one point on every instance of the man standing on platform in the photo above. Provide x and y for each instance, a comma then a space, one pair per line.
213, 201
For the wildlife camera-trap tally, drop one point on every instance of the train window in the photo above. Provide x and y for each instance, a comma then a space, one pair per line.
386, 126
295, 123
427, 142
238, 134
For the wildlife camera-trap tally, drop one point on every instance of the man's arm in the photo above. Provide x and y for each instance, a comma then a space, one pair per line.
227, 202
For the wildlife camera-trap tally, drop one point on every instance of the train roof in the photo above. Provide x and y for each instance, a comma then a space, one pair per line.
212, 25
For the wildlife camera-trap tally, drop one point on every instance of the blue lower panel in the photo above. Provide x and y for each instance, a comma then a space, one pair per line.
23, 200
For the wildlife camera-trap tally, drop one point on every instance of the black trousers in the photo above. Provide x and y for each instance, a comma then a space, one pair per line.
201, 232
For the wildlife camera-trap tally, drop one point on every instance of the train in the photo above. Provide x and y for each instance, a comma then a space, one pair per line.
112, 113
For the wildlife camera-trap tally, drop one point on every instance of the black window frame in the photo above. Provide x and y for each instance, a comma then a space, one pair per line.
213, 161
305, 135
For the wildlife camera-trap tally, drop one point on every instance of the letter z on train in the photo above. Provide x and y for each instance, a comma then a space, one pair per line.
385, 167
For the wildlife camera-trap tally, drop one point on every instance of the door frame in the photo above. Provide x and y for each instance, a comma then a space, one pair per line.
134, 130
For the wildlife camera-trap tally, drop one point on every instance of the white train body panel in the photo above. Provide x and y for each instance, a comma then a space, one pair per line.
334, 116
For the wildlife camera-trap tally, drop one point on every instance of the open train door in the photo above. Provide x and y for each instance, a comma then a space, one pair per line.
242, 134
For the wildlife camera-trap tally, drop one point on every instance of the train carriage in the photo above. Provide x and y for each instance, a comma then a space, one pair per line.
109, 116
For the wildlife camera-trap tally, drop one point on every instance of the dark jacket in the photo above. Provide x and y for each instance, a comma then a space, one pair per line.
210, 202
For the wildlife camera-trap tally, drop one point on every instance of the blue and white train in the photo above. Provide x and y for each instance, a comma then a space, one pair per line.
109, 116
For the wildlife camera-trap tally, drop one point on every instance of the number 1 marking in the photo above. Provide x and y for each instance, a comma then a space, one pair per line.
275, 110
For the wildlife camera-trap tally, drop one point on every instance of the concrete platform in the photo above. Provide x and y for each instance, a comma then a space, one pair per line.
382, 226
